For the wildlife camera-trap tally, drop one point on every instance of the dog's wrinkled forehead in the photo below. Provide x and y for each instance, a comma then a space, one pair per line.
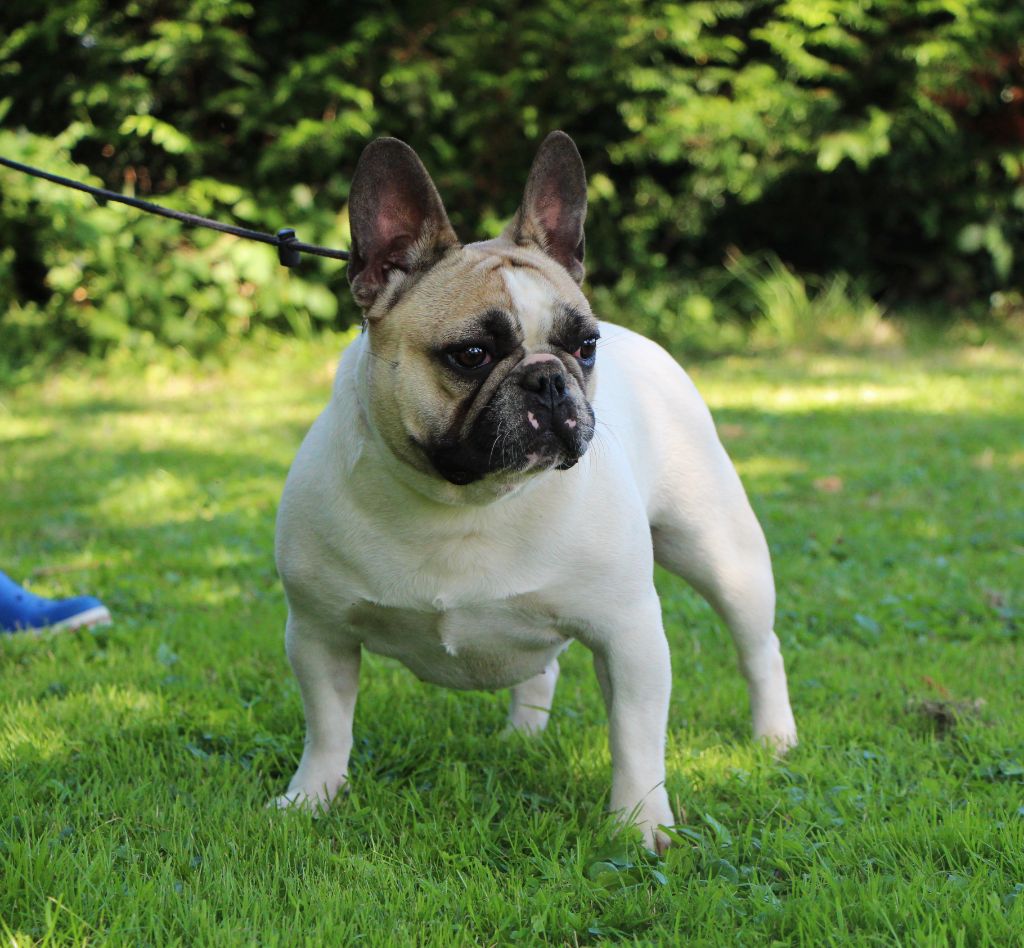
491, 285
537, 292
533, 302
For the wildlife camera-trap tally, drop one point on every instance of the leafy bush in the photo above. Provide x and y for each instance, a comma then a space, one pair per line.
880, 139
94, 278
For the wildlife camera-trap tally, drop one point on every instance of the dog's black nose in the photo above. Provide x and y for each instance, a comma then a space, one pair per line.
545, 379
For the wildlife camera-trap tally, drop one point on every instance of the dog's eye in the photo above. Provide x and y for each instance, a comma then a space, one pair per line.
472, 357
587, 352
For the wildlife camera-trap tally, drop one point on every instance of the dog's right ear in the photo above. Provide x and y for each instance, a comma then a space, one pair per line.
398, 221
555, 204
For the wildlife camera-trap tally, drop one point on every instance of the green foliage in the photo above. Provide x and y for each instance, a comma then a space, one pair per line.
114, 277
880, 139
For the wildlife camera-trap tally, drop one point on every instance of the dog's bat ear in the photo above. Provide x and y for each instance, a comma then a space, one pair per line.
397, 219
555, 204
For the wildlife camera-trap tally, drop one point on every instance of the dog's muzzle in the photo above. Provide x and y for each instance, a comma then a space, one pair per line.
553, 426
534, 422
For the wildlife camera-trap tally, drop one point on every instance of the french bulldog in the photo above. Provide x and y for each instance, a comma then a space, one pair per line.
495, 476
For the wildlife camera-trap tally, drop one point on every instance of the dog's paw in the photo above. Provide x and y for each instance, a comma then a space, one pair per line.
780, 742
774, 725
316, 804
648, 816
306, 798
526, 720
779, 739
654, 837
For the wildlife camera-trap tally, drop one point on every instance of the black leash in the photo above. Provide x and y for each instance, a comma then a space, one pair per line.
288, 247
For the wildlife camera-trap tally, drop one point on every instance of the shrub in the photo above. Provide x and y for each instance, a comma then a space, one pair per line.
880, 139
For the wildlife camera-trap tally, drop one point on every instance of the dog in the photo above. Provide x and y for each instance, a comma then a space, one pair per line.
495, 476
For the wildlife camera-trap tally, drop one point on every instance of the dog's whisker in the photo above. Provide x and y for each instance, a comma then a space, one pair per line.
381, 358
605, 341
609, 430
497, 440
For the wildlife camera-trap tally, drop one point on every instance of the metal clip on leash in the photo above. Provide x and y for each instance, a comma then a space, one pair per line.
286, 252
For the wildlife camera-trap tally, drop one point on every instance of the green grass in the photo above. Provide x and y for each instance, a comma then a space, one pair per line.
136, 760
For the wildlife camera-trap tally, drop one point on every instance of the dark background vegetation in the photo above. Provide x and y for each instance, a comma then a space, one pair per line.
820, 150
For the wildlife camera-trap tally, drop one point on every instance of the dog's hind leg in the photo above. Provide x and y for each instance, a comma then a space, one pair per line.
715, 543
531, 701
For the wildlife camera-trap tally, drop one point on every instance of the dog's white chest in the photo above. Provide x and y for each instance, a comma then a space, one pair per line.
483, 646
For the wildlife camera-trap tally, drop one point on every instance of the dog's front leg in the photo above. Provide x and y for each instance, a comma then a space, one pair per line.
327, 668
635, 673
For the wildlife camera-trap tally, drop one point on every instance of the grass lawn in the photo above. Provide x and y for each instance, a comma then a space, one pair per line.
136, 759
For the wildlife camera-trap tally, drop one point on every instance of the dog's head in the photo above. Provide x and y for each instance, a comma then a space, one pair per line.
483, 355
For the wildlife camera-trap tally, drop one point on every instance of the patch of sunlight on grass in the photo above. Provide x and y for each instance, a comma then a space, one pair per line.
807, 394
809, 397
715, 764
216, 427
13, 428
20, 939
926, 528
42, 739
767, 467
159, 497
219, 594
290, 366
48, 729
990, 357
936, 384
224, 557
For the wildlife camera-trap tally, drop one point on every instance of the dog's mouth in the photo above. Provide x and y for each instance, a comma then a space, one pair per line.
457, 473
528, 449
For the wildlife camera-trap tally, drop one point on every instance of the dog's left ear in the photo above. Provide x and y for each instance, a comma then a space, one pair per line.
554, 204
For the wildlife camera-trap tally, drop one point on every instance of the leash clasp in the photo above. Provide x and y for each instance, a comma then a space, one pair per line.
288, 255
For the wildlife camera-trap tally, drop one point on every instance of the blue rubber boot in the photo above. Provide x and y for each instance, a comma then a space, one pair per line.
21, 610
